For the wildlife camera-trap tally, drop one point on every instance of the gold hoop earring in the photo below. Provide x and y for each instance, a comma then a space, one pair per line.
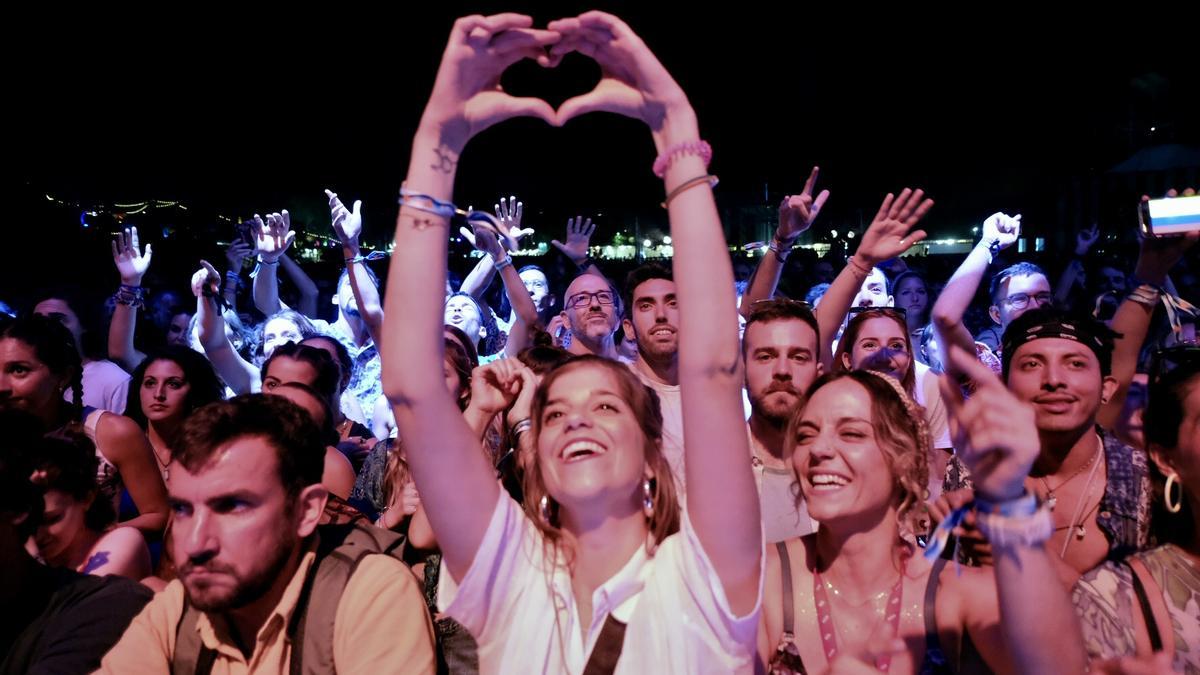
1178, 505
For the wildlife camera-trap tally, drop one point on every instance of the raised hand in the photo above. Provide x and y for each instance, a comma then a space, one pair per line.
994, 433
495, 386
236, 254
205, 278
797, 212
1085, 239
579, 235
891, 233
130, 261
1159, 254
1001, 230
509, 213
632, 83
273, 237
347, 223
467, 97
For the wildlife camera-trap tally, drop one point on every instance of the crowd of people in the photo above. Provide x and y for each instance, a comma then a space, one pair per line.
680, 470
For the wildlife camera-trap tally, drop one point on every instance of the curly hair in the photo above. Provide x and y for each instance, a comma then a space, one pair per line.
903, 438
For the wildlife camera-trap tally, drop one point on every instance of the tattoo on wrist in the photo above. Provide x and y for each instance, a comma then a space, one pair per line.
446, 162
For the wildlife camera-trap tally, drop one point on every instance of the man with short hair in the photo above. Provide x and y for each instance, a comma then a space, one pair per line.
1098, 487
652, 320
874, 291
255, 588
592, 312
1013, 291
780, 348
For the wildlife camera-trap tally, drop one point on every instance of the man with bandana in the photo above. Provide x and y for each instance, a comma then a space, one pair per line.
1098, 487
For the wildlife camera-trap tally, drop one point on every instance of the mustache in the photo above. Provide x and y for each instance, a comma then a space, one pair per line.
782, 386
209, 567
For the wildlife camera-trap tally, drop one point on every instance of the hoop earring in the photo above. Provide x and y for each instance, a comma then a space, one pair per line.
647, 498
1178, 505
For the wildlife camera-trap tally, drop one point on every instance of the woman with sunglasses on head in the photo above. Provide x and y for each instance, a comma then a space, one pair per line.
859, 595
1147, 607
876, 338
601, 543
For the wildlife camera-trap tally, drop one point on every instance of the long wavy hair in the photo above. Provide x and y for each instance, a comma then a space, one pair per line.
903, 438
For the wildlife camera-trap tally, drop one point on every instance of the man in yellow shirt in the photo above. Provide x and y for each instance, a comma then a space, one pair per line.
246, 498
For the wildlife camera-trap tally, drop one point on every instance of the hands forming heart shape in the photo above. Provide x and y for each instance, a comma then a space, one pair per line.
467, 97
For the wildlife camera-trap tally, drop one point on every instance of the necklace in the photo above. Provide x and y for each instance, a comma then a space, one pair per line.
164, 467
1076, 522
825, 623
1051, 499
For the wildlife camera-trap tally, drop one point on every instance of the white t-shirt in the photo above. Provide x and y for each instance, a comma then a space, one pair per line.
678, 618
671, 404
927, 394
105, 386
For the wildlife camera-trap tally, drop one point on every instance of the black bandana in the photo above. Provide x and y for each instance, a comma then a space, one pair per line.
1050, 323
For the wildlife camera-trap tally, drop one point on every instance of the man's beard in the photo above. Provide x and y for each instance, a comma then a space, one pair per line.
247, 590
776, 414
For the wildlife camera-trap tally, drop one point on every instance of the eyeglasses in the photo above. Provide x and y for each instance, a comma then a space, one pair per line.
584, 299
1021, 300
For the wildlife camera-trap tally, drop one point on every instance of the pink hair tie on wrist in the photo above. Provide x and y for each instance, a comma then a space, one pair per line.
701, 148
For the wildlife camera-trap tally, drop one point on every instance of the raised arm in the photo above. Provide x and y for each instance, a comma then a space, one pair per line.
307, 305
889, 234
347, 224
131, 265
796, 215
1156, 257
996, 437
999, 232
271, 239
579, 237
240, 375
514, 288
722, 500
235, 255
508, 213
457, 484
1072, 273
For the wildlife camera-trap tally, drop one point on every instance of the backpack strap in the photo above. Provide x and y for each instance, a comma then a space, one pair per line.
191, 657
340, 549
607, 650
1159, 630
785, 567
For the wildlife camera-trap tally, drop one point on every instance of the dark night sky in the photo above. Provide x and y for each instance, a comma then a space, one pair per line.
243, 113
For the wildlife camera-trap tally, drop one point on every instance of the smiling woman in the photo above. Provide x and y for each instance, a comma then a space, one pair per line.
857, 592
601, 544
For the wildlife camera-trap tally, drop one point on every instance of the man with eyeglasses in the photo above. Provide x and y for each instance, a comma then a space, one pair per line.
1014, 291
592, 312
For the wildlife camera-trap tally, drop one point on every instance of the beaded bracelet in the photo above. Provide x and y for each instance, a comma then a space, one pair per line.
130, 296
663, 161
